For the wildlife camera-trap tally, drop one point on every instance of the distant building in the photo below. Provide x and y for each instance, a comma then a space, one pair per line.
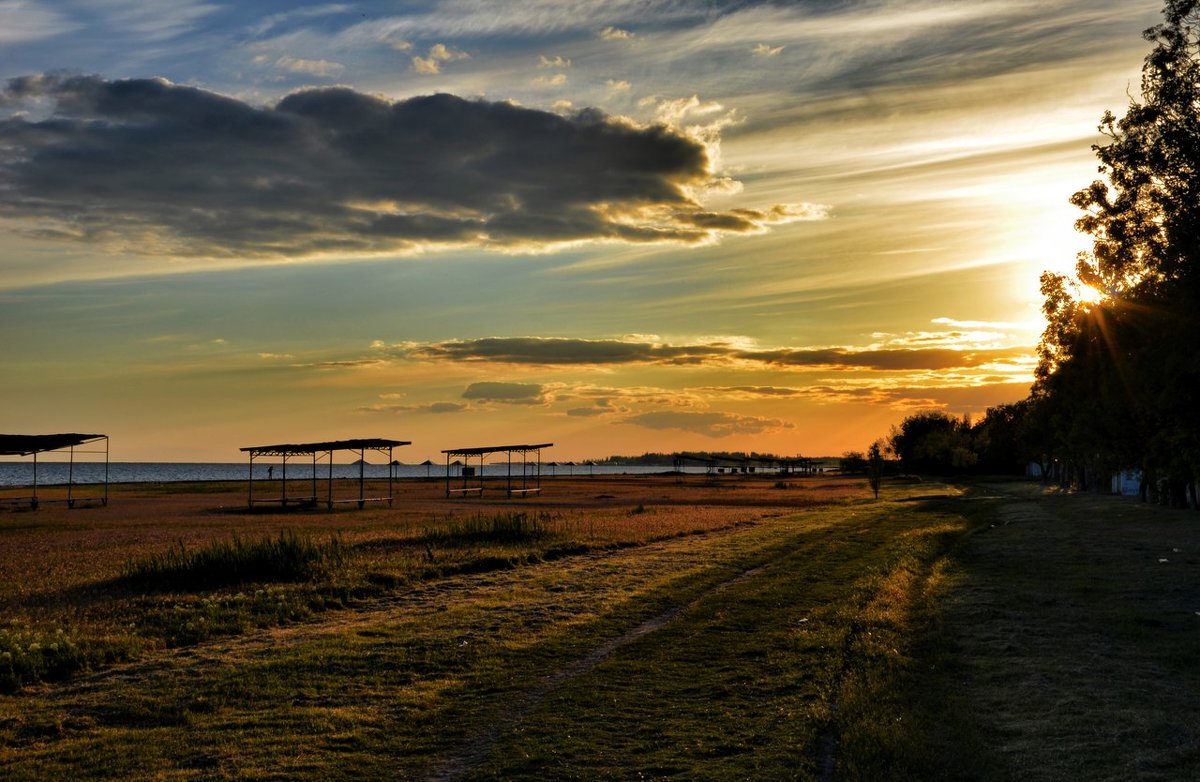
1127, 483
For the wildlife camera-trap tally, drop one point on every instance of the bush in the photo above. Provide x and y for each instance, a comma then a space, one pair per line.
287, 557
501, 528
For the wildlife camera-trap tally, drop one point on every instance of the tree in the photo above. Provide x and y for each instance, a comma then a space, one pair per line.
1119, 371
934, 442
852, 462
875, 466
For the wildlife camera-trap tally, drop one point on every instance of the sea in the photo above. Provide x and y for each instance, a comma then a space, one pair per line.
20, 473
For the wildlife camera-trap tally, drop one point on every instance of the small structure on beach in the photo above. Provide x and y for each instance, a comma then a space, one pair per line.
318, 452
472, 477
70, 443
717, 464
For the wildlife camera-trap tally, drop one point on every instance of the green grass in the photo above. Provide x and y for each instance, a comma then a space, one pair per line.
286, 557
507, 528
996, 634
744, 680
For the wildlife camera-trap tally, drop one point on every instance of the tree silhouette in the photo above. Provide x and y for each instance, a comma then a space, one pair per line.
875, 466
1118, 374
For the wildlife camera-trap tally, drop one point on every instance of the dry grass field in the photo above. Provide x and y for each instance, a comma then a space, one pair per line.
612, 628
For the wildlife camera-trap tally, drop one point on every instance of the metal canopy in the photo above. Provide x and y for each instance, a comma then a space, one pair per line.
323, 450
28, 444
34, 444
496, 449
523, 486
307, 449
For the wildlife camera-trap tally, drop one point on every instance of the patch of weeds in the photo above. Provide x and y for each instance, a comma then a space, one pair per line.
29, 654
187, 621
288, 557
501, 528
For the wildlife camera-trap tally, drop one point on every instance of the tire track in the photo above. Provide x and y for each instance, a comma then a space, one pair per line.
474, 752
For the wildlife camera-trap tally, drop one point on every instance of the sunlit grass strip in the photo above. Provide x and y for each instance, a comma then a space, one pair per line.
287, 557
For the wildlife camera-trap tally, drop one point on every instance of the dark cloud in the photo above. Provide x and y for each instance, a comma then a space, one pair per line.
510, 393
550, 351
887, 359
155, 167
754, 391
710, 424
434, 408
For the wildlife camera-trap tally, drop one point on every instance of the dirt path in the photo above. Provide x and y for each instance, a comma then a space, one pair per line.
477, 748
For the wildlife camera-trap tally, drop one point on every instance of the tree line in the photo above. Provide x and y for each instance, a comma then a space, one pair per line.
1117, 385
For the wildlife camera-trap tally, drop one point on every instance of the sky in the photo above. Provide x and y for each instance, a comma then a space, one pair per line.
624, 226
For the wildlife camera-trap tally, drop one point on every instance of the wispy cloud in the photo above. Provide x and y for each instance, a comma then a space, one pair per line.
709, 424
433, 408
25, 22
615, 34
151, 22
438, 54
323, 68
555, 80
272, 21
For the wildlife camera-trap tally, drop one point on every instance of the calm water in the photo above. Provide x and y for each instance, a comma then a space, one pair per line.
20, 473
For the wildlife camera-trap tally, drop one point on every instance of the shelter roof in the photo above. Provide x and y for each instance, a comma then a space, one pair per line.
26, 444
495, 449
296, 449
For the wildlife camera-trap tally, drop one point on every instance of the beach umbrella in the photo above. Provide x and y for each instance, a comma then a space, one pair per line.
428, 465
553, 467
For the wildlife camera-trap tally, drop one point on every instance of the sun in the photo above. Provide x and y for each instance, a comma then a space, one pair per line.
1089, 295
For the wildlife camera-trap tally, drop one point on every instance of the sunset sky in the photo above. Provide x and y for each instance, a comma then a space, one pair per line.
620, 227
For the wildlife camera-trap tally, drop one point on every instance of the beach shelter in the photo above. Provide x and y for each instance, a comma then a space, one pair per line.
472, 476
323, 451
72, 444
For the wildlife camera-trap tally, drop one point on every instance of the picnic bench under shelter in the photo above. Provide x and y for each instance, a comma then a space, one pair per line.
472, 478
71, 443
323, 451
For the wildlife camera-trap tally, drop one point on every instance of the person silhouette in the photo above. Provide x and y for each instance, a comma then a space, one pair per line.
270, 471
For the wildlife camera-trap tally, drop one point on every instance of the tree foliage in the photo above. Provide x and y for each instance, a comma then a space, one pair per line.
1118, 359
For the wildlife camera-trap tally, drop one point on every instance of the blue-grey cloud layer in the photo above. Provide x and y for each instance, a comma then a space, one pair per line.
548, 351
158, 168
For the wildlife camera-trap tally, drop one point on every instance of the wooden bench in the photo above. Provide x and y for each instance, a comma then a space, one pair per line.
285, 501
464, 490
360, 501
511, 492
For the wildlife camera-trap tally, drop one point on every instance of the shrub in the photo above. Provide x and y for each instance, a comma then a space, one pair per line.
501, 528
287, 557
